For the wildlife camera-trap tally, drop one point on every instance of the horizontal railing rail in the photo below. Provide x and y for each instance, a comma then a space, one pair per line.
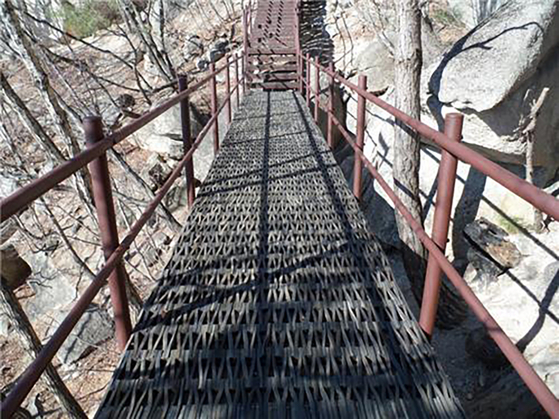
452, 151
35, 189
535, 196
24, 196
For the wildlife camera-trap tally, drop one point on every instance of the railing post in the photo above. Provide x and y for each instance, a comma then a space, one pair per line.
228, 90
244, 61
298, 48
360, 139
187, 140
443, 208
103, 197
330, 129
213, 88
308, 80
237, 88
316, 90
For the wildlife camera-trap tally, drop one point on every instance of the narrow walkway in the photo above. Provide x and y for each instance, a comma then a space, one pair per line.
272, 59
277, 301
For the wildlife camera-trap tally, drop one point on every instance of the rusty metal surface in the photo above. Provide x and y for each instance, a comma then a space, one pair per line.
103, 197
360, 138
443, 212
277, 301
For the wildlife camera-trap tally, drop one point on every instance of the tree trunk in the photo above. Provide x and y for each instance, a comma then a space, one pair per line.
34, 65
406, 141
32, 346
452, 309
529, 135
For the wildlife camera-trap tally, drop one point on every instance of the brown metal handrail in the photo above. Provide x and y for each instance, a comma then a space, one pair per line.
451, 151
35, 189
93, 154
535, 196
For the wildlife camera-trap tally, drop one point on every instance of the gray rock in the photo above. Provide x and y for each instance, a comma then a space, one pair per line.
480, 346
215, 55
5, 324
482, 272
35, 407
551, 272
374, 60
95, 327
222, 44
52, 289
45, 9
7, 185
7, 230
491, 240
484, 66
490, 71
164, 134
202, 64
192, 47
156, 171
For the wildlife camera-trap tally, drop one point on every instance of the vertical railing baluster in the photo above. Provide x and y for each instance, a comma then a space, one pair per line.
228, 89
316, 90
330, 129
103, 197
187, 141
237, 88
298, 49
443, 209
308, 80
360, 139
213, 89
244, 61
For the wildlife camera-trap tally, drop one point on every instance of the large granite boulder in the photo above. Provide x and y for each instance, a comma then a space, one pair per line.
94, 328
493, 74
164, 134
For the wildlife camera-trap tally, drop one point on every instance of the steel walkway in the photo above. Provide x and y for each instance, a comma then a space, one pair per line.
277, 301
272, 45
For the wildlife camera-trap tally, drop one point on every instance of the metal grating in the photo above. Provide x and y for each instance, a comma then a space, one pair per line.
277, 301
272, 53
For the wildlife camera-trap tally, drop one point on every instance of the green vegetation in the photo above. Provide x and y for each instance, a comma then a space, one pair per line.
445, 17
89, 16
512, 225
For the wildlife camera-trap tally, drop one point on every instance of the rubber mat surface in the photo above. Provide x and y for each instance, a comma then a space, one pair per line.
277, 301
